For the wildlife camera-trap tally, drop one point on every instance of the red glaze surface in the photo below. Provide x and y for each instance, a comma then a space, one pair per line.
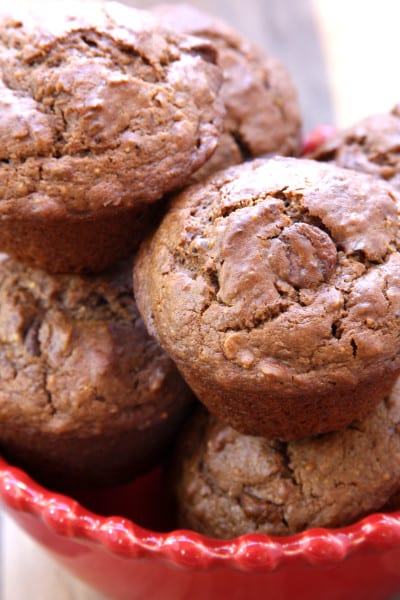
129, 562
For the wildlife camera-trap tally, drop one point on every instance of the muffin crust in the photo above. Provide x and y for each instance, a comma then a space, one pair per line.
262, 108
275, 287
228, 484
102, 112
370, 146
87, 397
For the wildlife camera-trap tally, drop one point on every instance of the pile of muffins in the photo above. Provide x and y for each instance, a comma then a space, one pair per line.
260, 334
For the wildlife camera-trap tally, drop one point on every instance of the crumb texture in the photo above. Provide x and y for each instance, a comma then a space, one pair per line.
370, 146
229, 484
92, 94
78, 367
279, 281
262, 108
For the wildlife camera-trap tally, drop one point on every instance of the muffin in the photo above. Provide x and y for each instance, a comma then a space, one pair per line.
262, 108
275, 288
370, 146
102, 111
87, 398
227, 484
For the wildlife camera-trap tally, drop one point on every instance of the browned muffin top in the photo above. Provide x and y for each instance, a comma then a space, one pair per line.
75, 355
100, 106
275, 287
370, 146
262, 109
229, 484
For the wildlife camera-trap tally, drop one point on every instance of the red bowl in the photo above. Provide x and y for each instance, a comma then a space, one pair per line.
128, 561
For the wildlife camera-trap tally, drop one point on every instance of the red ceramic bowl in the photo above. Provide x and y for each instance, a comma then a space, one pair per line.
127, 561
137, 556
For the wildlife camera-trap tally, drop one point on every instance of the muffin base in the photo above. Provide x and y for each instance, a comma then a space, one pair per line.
75, 243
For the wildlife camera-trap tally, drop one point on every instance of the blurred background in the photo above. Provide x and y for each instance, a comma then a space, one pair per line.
342, 55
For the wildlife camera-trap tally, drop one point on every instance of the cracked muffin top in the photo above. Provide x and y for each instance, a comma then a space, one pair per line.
262, 108
370, 146
100, 106
228, 484
275, 287
78, 367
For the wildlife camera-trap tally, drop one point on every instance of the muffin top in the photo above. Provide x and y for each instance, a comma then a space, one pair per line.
370, 146
228, 484
75, 356
100, 106
277, 279
262, 109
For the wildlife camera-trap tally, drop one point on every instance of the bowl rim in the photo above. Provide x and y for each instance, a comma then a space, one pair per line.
65, 517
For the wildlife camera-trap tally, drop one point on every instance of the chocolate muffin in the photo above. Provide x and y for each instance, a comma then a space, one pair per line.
370, 146
262, 109
275, 287
102, 111
227, 484
86, 397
